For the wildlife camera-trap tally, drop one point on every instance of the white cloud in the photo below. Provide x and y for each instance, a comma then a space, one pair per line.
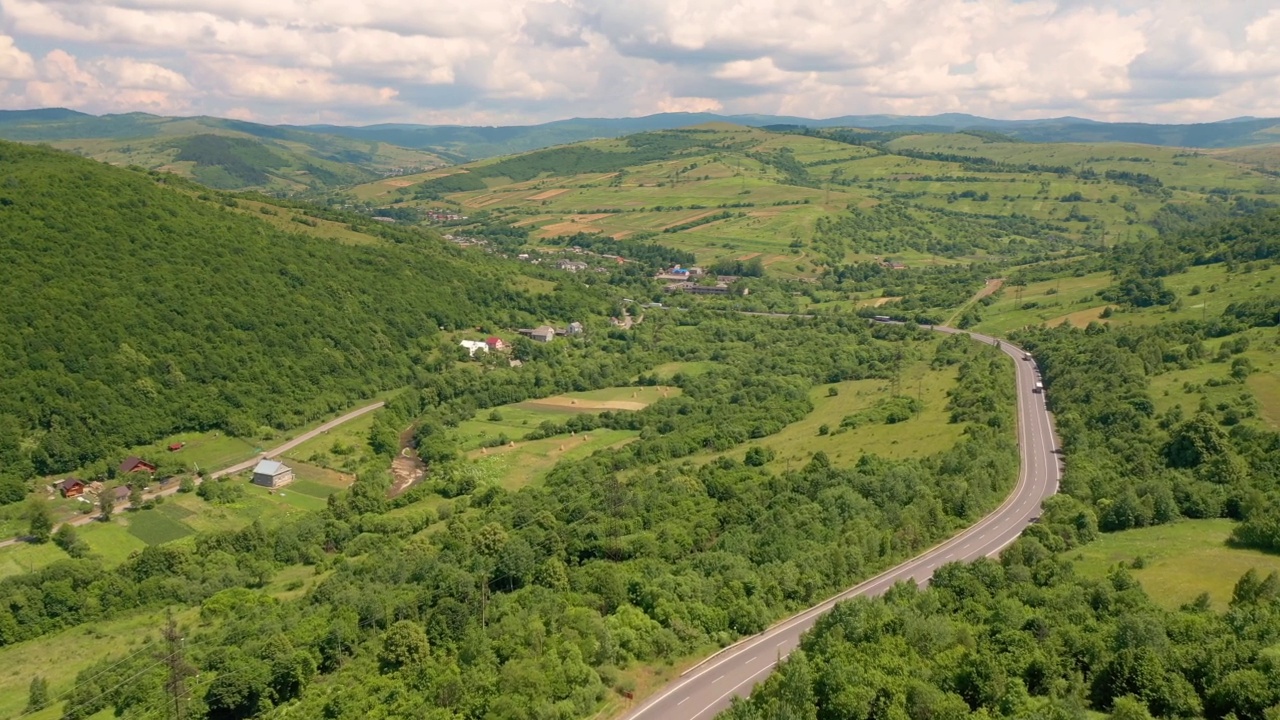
14, 63
530, 60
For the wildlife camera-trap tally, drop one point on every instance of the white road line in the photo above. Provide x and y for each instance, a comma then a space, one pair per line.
731, 690
682, 702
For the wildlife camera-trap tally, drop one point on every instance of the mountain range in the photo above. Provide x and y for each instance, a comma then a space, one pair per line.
235, 154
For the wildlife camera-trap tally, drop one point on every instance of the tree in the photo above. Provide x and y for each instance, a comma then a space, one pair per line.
67, 539
758, 456
40, 521
107, 502
404, 644
37, 694
136, 498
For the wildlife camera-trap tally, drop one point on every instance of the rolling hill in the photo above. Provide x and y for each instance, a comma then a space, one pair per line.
472, 143
217, 152
800, 201
137, 305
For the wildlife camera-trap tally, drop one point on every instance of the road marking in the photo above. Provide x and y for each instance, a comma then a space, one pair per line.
1034, 423
731, 690
753, 658
718, 679
682, 702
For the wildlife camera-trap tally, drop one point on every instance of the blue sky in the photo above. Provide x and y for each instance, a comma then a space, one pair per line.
522, 61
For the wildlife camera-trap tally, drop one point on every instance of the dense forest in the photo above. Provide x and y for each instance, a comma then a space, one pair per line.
1024, 638
133, 310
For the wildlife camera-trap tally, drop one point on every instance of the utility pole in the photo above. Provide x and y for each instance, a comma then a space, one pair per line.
175, 685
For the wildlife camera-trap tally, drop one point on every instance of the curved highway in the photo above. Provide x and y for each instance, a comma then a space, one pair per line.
708, 688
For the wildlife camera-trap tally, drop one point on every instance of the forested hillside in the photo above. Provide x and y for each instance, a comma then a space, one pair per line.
132, 309
218, 152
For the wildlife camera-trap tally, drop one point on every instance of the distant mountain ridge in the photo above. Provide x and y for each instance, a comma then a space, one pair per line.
461, 143
473, 142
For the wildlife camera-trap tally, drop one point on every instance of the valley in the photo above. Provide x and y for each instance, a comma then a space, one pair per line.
608, 480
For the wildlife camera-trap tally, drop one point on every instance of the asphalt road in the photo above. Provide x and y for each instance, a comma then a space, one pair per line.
232, 470
708, 688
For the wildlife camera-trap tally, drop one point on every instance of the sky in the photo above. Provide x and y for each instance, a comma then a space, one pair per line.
503, 62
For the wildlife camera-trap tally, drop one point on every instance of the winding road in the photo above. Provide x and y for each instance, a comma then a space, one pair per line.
708, 688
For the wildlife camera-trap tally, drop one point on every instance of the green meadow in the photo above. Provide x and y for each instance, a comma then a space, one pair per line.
1176, 562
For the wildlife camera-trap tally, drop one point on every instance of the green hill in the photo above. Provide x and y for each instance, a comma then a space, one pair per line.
481, 142
803, 200
220, 153
135, 306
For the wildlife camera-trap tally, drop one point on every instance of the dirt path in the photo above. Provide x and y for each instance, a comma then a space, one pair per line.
993, 284
232, 470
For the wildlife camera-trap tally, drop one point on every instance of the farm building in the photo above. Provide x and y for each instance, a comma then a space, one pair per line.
495, 343
272, 474
135, 464
71, 487
546, 333
473, 345
575, 328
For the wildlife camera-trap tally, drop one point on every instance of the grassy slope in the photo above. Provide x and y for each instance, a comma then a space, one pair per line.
1180, 560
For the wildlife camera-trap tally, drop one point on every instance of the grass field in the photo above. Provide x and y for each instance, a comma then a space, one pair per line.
518, 462
60, 656
1211, 380
927, 433
1074, 299
1181, 560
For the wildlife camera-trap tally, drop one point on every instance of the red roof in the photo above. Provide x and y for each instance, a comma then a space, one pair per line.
493, 341
176, 446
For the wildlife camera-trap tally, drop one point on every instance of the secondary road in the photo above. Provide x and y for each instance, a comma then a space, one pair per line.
232, 470
708, 688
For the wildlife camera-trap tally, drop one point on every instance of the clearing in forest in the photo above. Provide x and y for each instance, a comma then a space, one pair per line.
1177, 561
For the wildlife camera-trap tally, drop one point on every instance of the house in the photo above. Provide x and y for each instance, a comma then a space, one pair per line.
134, 464
71, 487
575, 328
473, 345
545, 334
272, 474
120, 493
495, 343
571, 265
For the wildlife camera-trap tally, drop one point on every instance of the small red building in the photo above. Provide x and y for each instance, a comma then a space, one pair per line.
495, 343
71, 487
135, 464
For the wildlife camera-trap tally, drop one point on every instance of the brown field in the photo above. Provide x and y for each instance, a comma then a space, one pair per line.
877, 302
583, 404
576, 223
548, 194
991, 286
691, 218
1078, 319
748, 256
399, 183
